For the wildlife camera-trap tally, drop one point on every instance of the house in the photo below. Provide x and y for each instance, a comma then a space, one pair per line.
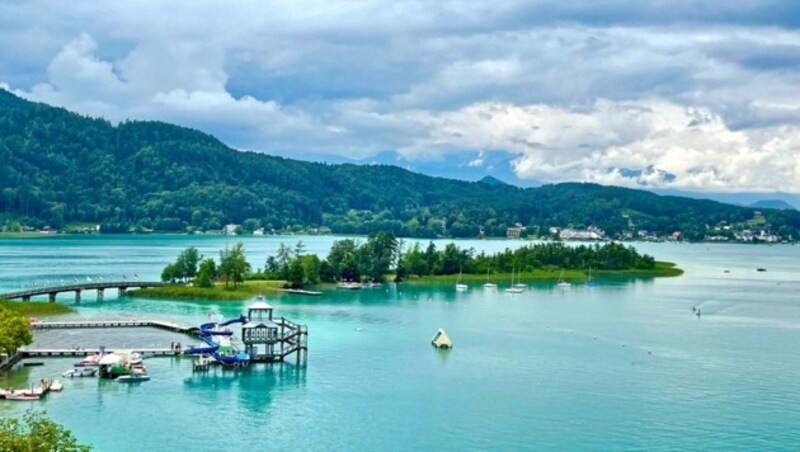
514, 231
230, 229
259, 231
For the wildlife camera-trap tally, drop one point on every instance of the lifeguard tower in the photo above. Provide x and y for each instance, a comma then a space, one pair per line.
269, 339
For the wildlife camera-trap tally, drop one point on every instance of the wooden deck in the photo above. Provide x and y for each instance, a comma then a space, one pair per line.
58, 352
159, 324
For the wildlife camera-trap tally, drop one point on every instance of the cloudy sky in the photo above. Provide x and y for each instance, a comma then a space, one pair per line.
703, 95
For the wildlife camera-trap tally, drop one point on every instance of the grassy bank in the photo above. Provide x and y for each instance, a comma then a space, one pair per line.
662, 269
243, 291
36, 309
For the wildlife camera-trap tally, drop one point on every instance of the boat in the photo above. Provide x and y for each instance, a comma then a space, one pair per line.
561, 283
92, 360
136, 375
514, 287
80, 372
591, 282
459, 285
135, 358
349, 285
56, 386
22, 395
489, 285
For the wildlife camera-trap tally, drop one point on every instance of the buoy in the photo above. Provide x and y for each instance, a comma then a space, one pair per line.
441, 340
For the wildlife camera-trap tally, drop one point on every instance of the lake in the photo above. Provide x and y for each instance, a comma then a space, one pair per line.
623, 365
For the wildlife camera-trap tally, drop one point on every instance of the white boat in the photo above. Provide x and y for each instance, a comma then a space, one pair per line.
80, 372
56, 386
92, 360
561, 283
22, 395
135, 358
489, 285
133, 377
459, 285
349, 285
514, 287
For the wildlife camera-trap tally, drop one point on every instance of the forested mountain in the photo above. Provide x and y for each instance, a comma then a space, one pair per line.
58, 167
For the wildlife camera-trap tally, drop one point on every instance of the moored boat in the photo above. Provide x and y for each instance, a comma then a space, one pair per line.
56, 386
134, 376
22, 395
89, 361
80, 372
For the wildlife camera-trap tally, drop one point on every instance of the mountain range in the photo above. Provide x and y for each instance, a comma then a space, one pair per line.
58, 167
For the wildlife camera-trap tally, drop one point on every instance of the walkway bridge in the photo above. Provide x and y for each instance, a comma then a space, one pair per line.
52, 291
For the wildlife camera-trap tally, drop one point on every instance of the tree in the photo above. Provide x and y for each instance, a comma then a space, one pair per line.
296, 274
206, 274
14, 331
34, 432
233, 264
170, 273
187, 263
311, 268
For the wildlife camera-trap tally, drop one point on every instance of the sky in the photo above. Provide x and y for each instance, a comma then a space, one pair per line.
698, 95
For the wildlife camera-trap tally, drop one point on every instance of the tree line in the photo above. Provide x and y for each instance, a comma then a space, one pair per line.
382, 254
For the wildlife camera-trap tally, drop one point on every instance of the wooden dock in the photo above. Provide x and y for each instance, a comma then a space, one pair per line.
58, 352
159, 324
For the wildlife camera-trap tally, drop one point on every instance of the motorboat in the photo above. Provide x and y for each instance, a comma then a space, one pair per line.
80, 372
22, 395
136, 375
135, 358
56, 386
89, 361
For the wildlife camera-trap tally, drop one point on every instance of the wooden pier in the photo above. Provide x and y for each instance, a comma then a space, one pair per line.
58, 353
159, 324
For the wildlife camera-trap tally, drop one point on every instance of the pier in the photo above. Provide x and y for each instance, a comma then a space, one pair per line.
159, 324
100, 287
58, 352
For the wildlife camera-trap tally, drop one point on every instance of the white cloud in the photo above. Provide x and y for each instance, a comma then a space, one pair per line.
579, 92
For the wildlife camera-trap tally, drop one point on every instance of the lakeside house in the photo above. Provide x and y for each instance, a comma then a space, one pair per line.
514, 231
230, 229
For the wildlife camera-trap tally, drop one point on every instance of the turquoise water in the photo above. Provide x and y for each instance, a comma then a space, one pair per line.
624, 365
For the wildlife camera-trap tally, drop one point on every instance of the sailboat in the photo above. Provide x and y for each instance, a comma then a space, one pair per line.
514, 288
561, 282
459, 285
489, 285
590, 282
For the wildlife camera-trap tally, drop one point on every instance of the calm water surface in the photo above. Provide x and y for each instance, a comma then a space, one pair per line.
624, 365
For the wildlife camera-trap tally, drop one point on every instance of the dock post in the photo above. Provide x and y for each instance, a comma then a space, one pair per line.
78, 295
52, 297
100, 293
122, 291
26, 298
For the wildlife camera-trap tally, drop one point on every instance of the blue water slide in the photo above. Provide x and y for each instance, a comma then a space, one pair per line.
207, 333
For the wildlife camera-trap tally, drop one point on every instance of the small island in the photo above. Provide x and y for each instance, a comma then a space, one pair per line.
382, 257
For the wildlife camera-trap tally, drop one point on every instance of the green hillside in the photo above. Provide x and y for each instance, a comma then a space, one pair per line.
57, 167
